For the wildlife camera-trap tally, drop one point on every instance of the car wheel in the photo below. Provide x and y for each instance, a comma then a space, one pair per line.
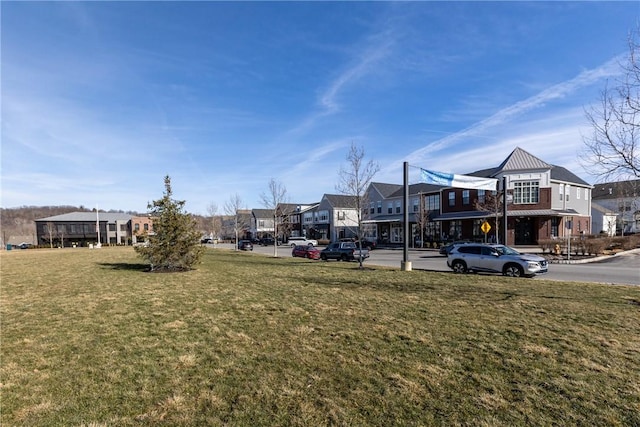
323, 257
513, 270
459, 267
344, 257
306, 255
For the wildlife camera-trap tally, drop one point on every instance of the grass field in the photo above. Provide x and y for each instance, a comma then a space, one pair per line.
90, 339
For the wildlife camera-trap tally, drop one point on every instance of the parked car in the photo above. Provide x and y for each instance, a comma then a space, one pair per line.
446, 249
267, 241
245, 245
478, 257
343, 251
366, 244
294, 241
206, 240
305, 251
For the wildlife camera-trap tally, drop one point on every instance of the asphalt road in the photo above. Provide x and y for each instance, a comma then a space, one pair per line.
621, 269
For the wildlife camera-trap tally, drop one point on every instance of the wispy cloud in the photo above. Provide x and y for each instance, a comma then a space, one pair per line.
379, 46
556, 92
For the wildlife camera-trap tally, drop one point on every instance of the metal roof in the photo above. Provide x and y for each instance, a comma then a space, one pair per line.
522, 160
88, 216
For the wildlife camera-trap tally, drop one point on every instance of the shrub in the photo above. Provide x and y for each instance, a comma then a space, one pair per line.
547, 244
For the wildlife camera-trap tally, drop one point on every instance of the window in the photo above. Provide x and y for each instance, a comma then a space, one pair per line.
136, 227
112, 227
341, 216
324, 216
123, 227
379, 206
416, 205
526, 192
561, 191
390, 207
481, 196
372, 208
308, 217
146, 227
577, 194
432, 202
398, 206
554, 226
586, 194
455, 230
465, 197
452, 198
477, 224
470, 249
567, 192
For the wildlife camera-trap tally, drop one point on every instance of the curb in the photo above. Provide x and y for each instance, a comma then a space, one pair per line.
594, 259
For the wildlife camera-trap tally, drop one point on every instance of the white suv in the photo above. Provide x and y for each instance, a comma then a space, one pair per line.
297, 241
495, 259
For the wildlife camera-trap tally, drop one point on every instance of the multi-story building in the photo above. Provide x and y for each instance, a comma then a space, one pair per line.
262, 223
543, 201
623, 199
84, 228
141, 226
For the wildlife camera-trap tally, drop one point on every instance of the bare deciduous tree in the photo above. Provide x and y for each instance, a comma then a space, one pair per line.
275, 196
422, 218
215, 222
51, 230
354, 180
492, 203
232, 207
612, 150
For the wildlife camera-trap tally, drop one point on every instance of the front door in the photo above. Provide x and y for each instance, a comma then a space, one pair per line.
524, 232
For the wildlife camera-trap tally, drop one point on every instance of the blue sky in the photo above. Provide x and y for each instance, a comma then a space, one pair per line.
101, 100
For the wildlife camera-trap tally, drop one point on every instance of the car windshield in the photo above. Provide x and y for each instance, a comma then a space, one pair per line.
506, 250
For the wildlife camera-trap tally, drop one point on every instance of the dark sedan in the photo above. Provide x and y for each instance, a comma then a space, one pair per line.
245, 245
305, 251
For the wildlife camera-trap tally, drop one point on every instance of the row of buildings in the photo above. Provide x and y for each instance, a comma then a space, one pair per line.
544, 201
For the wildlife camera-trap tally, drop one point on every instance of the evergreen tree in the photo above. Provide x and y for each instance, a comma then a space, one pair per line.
174, 244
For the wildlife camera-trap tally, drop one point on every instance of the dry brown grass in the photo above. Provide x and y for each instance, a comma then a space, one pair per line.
89, 339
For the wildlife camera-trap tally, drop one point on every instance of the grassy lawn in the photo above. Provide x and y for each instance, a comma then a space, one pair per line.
89, 339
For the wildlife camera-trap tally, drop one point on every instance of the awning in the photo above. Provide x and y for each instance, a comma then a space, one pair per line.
451, 216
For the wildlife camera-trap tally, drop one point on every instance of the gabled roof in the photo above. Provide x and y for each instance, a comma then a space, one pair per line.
602, 209
386, 190
89, 216
617, 189
522, 160
340, 200
262, 213
558, 173
419, 188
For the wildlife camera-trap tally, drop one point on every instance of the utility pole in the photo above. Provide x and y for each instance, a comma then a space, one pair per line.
406, 264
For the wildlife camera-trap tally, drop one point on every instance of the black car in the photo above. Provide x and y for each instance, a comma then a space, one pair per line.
267, 241
366, 244
245, 245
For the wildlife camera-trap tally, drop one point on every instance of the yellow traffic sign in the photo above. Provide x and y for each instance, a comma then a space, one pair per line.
485, 227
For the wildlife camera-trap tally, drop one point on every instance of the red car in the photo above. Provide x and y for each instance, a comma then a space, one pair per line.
305, 251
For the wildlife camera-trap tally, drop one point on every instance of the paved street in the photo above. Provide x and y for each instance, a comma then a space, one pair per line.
620, 269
